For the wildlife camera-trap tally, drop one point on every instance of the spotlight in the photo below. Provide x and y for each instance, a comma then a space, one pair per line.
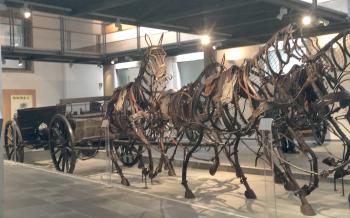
20, 62
283, 11
323, 22
114, 60
205, 40
214, 47
26, 12
306, 20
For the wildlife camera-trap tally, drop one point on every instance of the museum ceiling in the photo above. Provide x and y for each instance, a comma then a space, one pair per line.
237, 22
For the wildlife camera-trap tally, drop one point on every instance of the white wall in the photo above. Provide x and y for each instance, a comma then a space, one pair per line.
54, 81
47, 80
81, 80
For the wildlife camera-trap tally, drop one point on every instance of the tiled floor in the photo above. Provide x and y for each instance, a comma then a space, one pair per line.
34, 193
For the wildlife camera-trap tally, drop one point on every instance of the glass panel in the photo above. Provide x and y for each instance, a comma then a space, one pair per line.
190, 70
46, 39
4, 34
155, 34
123, 40
125, 76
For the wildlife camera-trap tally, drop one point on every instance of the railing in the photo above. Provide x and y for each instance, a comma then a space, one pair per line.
74, 35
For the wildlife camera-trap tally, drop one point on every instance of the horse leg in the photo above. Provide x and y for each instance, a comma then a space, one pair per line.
279, 176
216, 162
249, 193
184, 182
305, 207
114, 158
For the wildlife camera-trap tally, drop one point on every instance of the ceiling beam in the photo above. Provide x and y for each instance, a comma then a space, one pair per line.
200, 11
100, 6
306, 7
242, 24
40, 5
170, 27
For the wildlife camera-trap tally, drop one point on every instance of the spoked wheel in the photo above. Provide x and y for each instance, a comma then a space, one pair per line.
12, 153
61, 143
128, 153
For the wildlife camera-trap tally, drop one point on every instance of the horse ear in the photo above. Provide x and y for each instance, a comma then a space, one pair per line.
148, 40
161, 40
223, 60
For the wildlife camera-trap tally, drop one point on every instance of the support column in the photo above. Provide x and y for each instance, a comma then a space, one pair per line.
2, 185
108, 79
210, 55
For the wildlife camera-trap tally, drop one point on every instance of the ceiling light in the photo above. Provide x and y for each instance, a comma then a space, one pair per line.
26, 12
306, 20
324, 22
112, 62
205, 40
214, 47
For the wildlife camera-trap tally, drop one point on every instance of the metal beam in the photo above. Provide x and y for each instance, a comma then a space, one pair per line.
185, 29
41, 5
306, 7
100, 6
240, 24
200, 11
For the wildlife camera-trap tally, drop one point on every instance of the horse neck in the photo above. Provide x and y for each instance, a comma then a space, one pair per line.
143, 81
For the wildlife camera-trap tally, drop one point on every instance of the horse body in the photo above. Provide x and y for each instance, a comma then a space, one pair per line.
131, 107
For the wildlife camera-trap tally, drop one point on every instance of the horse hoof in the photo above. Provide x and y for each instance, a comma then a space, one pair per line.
125, 182
171, 173
307, 210
140, 165
189, 194
212, 169
166, 167
250, 194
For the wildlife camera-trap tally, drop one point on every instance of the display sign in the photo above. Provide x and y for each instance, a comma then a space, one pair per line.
20, 102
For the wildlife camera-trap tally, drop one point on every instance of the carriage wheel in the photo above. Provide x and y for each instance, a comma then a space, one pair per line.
61, 144
129, 154
9, 142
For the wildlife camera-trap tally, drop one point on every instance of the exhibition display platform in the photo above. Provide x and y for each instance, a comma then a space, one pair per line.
40, 192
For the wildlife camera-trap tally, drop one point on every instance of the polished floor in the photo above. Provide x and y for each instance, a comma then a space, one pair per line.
37, 192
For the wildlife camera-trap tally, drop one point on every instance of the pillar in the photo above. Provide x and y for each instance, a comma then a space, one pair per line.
2, 185
108, 79
210, 55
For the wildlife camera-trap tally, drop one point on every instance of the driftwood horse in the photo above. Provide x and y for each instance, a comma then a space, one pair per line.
226, 105
131, 108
